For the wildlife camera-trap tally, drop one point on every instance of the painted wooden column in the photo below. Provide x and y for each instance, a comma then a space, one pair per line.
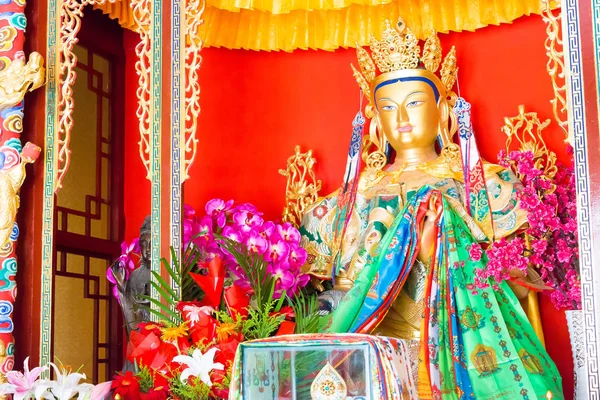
581, 36
16, 78
165, 140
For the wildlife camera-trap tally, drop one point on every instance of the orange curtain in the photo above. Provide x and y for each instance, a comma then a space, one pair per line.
330, 24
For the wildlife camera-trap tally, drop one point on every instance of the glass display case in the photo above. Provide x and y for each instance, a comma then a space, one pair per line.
323, 367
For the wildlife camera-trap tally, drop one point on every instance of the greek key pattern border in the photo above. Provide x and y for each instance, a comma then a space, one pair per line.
52, 60
592, 279
575, 89
177, 124
155, 133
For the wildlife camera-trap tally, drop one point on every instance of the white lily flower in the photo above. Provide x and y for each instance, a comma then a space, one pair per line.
85, 391
6, 389
199, 365
42, 390
66, 385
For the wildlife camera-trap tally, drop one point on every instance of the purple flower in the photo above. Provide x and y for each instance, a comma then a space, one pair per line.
232, 233
217, 209
217, 206
127, 250
188, 211
188, 230
256, 243
268, 230
285, 279
278, 251
301, 281
247, 221
298, 256
288, 233
204, 230
247, 207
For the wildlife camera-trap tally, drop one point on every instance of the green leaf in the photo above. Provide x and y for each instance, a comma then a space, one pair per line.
176, 318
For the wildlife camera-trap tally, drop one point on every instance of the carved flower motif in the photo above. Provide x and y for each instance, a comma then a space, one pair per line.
7, 36
14, 123
11, 157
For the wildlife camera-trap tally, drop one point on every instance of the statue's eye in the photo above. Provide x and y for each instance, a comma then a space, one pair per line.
413, 104
388, 108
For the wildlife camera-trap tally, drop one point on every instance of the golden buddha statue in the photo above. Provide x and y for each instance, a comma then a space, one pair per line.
396, 247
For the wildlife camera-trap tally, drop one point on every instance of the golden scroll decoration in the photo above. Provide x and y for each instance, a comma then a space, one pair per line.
19, 78
526, 130
302, 188
16, 80
556, 65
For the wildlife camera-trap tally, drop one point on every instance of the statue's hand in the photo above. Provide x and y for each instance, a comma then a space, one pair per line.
329, 301
428, 232
118, 270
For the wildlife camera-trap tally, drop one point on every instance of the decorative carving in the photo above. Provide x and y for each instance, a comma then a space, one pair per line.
556, 66
193, 17
328, 385
12, 176
71, 12
526, 128
141, 15
19, 78
302, 187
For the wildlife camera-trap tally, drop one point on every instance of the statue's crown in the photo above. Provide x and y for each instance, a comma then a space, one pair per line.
398, 50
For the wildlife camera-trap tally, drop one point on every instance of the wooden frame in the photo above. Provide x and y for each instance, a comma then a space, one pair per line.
581, 37
168, 108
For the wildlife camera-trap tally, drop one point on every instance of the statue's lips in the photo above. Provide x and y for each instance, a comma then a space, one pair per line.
406, 128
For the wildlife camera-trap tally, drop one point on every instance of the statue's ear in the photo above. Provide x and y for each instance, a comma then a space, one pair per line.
443, 128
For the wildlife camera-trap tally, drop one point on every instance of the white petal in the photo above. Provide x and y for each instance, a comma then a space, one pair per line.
197, 355
7, 388
185, 375
205, 377
210, 355
218, 366
187, 360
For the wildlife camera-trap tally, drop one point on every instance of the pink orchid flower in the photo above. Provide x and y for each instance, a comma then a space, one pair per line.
231, 234
298, 256
217, 209
256, 243
188, 211
127, 250
288, 233
247, 220
278, 251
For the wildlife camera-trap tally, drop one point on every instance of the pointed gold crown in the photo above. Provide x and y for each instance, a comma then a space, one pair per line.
397, 55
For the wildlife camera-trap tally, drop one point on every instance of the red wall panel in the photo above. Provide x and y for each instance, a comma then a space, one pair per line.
256, 106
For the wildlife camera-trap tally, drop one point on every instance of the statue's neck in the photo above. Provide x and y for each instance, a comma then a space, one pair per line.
409, 158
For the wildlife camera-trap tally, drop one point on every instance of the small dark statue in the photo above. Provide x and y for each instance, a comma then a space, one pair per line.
137, 284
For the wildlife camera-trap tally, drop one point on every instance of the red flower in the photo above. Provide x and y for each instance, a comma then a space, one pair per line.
287, 311
127, 386
146, 328
228, 348
150, 351
160, 391
237, 301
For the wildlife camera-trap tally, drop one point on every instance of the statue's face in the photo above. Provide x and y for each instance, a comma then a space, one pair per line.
145, 246
408, 114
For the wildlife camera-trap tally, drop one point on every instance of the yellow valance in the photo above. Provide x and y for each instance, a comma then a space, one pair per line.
329, 24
